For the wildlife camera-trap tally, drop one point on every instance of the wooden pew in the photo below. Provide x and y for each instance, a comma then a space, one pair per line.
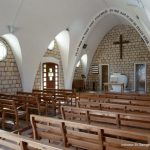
24, 93
11, 141
135, 109
117, 101
126, 96
128, 93
88, 137
105, 118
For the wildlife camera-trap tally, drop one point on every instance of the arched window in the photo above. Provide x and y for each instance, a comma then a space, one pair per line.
51, 45
3, 51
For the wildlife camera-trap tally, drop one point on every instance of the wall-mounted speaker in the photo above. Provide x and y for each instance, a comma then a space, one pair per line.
84, 46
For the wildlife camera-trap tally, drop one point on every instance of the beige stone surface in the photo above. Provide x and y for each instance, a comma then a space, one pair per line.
134, 52
50, 53
10, 81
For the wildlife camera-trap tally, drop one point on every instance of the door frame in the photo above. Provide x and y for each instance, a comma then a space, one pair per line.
144, 63
100, 74
48, 60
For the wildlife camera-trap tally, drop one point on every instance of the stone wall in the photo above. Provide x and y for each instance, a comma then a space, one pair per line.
50, 53
133, 52
78, 72
10, 81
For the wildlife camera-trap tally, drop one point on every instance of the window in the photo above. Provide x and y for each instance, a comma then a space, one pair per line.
51, 45
78, 64
3, 51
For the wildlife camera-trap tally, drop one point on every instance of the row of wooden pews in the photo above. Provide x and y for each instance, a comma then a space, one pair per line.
114, 104
15, 107
134, 122
90, 137
11, 141
42, 102
104, 123
60, 96
131, 96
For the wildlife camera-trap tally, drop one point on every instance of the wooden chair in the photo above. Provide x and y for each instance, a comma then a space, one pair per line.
33, 102
11, 141
14, 109
47, 101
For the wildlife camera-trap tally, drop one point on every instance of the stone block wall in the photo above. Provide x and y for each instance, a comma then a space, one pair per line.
134, 52
50, 53
78, 72
10, 81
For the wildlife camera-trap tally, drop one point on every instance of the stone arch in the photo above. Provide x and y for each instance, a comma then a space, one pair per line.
50, 56
10, 80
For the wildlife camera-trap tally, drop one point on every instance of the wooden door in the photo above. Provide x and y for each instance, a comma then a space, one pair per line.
50, 75
104, 75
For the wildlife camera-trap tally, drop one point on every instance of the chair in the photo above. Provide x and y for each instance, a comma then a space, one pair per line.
13, 108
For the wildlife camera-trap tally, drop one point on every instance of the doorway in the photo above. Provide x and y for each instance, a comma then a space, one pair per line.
140, 77
50, 75
104, 75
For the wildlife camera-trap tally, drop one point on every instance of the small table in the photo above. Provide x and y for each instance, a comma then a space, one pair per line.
107, 86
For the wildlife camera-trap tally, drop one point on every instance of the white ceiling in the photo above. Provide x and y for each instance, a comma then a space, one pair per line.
36, 22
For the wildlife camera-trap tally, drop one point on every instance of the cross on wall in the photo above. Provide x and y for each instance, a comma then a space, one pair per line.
121, 42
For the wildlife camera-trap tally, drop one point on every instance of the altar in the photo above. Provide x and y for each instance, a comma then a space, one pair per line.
108, 86
118, 83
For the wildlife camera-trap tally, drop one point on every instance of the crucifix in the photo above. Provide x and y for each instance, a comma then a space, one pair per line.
121, 42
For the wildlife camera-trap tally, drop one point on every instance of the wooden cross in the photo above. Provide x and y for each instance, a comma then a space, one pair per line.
121, 42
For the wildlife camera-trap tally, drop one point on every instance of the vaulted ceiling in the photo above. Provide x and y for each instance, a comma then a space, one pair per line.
36, 22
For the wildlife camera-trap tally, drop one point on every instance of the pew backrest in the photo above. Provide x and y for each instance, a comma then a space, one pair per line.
112, 119
122, 107
13, 141
86, 136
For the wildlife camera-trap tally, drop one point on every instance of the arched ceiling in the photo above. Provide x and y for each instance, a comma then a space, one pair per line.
36, 22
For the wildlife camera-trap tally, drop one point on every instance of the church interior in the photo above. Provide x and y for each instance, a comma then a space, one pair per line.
74, 75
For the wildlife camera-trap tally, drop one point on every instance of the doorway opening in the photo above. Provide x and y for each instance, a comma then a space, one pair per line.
140, 77
104, 75
50, 73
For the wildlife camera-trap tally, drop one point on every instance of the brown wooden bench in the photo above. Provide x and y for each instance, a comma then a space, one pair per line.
126, 96
114, 107
71, 94
88, 137
115, 101
106, 118
11, 141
